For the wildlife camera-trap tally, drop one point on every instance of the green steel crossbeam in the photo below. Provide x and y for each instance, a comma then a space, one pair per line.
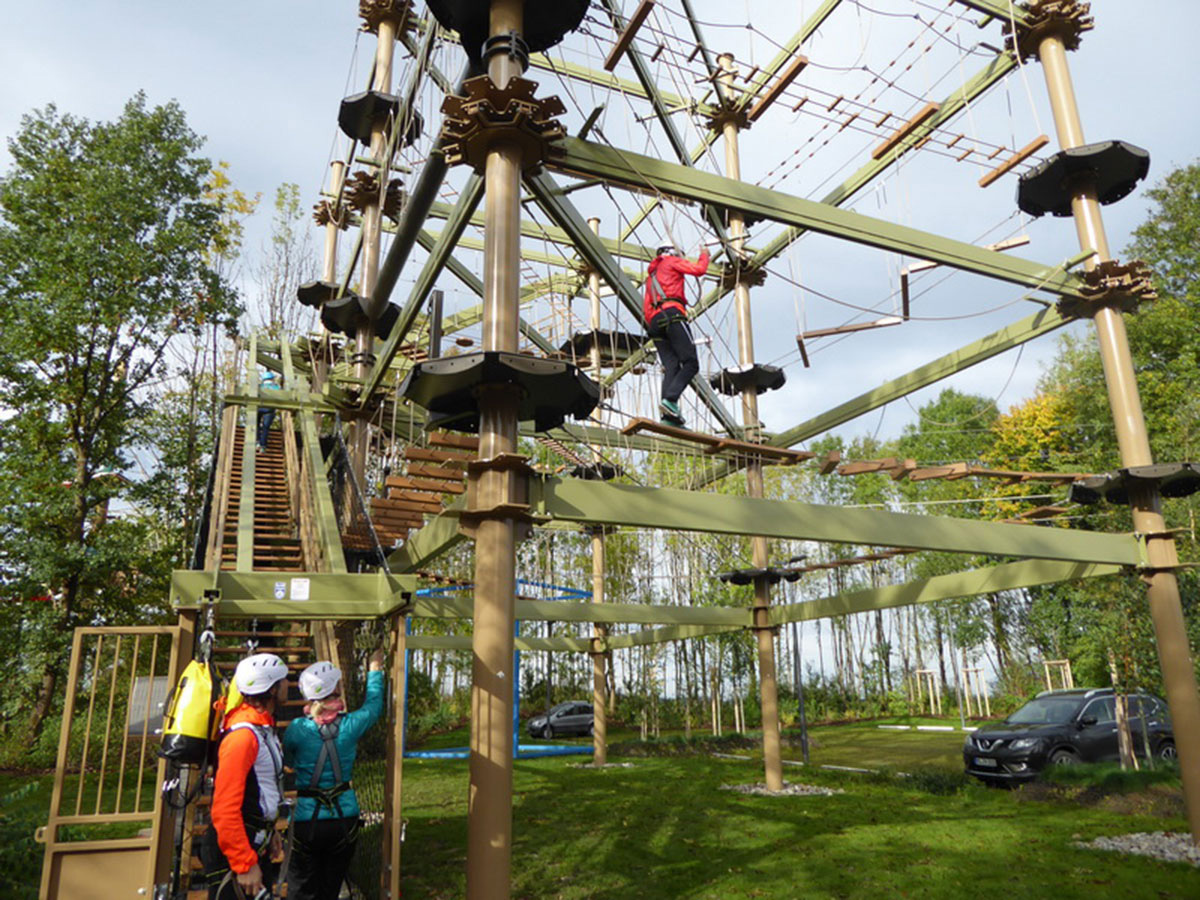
457, 606
324, 516
997, 342
463, 642
999, 9
295, 595
1027, 329
600, 503
1006, 577
468, 200
436, 537
610, 81
245, 528
288, 399
644, 172
549, 233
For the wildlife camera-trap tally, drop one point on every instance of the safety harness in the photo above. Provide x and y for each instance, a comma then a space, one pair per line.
327, 797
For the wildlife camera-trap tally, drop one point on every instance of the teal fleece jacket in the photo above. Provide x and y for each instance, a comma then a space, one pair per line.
302, 746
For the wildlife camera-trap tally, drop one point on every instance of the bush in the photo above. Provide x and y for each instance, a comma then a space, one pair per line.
20, 856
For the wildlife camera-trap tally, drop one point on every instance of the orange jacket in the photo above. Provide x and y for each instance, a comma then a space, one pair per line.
246, 793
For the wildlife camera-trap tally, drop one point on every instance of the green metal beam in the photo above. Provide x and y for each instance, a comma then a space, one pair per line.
645, 172
974, 88
468, 200
245, 525
305, 595
456, 606
999, 9
1040, 323
611, 82
463, 642
431, 541
288, 399
550, 234
1006, 577
997, 342
600, 503
323, 515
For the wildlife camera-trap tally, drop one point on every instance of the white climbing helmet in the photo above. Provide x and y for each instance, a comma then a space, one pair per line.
259, 673
667, 250
319, 680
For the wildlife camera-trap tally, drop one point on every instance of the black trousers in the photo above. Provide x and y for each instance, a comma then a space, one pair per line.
673, 338
321, 853
216, 868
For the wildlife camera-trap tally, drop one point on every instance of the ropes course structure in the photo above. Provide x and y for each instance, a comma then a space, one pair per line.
536, 153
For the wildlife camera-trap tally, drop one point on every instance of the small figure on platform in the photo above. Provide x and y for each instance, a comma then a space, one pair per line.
665, 312
242, 849
266, 414
321, 747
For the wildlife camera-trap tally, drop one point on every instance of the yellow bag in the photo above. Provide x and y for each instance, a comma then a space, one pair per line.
190, 722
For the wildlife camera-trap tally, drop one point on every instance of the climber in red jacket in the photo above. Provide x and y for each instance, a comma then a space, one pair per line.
665, 312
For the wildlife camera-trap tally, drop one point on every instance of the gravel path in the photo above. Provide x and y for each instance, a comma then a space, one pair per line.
790, 789
1165, 845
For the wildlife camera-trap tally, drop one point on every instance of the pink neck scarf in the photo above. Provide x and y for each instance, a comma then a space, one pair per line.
324, 711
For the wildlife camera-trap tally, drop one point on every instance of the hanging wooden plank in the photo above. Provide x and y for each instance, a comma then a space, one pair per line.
781, 84
1015, 160
905, 130
626, 37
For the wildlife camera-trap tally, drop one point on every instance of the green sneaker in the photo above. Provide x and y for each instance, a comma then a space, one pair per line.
670, 412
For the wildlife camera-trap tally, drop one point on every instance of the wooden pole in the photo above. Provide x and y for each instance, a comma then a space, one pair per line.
768, 689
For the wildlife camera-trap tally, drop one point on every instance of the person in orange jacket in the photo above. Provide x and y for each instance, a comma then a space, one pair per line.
242, 850
664, 308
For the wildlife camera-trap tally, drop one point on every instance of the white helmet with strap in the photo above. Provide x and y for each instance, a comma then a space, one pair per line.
259, 673
319, 680
667, 250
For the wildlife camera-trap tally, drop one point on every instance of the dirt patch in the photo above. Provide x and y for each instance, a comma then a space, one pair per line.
1155, 800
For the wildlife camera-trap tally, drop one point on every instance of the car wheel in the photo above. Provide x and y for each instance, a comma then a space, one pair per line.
591, 731
1166, 750
1062, 757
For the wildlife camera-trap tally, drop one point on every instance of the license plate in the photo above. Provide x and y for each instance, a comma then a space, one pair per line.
984, 762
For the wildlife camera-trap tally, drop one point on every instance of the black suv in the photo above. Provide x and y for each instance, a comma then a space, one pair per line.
573, 717
1061, 728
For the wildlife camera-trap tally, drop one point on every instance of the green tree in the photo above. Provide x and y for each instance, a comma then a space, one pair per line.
104, 230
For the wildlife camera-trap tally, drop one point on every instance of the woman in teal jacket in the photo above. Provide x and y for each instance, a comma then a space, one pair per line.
321, 747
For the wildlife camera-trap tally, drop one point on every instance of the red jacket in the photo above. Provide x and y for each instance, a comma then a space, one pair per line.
670, 271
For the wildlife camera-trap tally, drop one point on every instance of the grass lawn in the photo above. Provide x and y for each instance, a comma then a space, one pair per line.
662, 828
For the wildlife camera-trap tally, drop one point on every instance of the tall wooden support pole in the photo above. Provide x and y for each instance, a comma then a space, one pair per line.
768, 689
599, 681
489, 805
1162, 587
372, 233
337, 177
393, 824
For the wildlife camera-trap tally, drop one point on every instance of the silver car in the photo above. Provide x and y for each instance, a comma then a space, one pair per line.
571, 718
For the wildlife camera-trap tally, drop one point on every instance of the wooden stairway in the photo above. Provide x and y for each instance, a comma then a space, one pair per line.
276, 538
433, 474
